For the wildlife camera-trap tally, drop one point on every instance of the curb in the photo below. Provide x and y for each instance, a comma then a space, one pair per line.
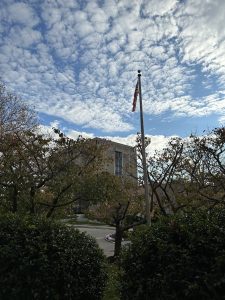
92, 226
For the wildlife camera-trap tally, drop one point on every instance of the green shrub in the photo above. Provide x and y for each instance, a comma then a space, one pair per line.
112, 290
179, 258
40, 259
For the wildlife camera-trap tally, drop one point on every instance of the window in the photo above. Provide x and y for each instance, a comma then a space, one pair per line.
118, 163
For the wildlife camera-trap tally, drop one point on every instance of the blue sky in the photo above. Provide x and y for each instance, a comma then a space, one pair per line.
76, 63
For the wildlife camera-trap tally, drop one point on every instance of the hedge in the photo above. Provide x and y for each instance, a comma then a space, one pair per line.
179, 258
41, 259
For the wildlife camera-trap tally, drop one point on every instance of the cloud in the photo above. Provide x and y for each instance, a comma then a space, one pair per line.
23, 37
74, 134
79, 60
160, 8
21, 13
222, 120
158, 142
201, 34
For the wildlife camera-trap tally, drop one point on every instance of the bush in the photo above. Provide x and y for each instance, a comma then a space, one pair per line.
179, 258
112, 290
40, 259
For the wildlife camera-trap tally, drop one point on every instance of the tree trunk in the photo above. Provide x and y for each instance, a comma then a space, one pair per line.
56, 199
118, 240
32, 194
50, 212
14, 199
52, 208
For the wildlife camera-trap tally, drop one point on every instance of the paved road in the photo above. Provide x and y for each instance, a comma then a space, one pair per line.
99, 232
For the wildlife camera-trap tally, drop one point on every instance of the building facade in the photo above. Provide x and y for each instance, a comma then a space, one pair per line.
119, 159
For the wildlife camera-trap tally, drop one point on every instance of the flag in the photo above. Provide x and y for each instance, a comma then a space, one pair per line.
135, 97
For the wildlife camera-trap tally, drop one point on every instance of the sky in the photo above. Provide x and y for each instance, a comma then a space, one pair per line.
75, 62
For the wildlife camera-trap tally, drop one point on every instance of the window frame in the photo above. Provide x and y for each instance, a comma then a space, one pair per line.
118, 166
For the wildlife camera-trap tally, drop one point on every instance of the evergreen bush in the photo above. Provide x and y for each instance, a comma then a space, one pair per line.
180, 257
41, 259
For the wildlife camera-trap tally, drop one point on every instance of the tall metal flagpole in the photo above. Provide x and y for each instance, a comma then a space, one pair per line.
147, 200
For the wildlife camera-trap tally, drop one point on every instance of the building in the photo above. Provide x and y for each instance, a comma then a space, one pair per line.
119, 159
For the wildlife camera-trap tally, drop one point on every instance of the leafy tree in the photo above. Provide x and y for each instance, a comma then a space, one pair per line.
205, 166
188, 173
39, 174
116, 202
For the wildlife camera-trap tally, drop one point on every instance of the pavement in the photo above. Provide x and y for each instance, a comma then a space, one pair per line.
99, 232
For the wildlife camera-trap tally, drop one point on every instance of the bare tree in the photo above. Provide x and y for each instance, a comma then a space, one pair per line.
205, 165
189, 172
162, 175
15, 115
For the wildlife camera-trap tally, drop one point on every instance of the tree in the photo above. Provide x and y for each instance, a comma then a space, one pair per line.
205, 166
188, 173
162, 175
116, 202
15, 115
40, 173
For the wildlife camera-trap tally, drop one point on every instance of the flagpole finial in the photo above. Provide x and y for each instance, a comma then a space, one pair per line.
139, 72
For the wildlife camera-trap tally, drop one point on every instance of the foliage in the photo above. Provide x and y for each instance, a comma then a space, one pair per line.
187, 173
15, 115
181, 257
162, 171
205, 166
40, 173
117, 203
40, 259
112, 289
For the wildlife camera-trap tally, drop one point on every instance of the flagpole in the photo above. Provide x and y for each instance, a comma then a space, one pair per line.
146, 185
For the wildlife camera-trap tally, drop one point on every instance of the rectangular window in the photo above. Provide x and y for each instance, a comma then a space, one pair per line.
118, 163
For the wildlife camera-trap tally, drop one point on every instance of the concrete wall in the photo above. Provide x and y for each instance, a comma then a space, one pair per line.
129, 158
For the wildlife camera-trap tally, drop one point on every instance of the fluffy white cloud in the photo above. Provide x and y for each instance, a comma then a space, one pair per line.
78, 60
158, 7
21, 13
201, 34
23, 37
158, 142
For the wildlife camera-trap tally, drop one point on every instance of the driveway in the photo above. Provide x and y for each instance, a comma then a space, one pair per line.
99, 233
